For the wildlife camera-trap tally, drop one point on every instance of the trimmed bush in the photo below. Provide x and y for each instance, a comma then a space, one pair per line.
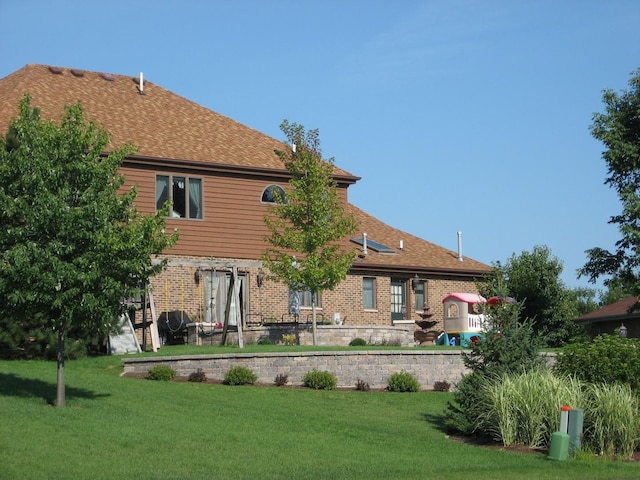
239, 375
163, 373
403, 382
289, 339
358, 342
265, 341
320, 380
606, 359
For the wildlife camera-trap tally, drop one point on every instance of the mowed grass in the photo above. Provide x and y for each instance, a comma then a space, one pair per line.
117, 427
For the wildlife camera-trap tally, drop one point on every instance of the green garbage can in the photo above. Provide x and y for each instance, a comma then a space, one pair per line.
559, 448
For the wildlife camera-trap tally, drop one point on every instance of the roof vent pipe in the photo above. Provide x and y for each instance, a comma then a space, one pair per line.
364, 244
141, 83
460, 246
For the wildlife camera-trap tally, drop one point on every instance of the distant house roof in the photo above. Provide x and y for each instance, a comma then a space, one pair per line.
615, 311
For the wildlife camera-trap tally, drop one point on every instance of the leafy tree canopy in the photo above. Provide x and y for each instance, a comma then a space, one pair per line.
308, 228
618, 128
533, 278
72, 246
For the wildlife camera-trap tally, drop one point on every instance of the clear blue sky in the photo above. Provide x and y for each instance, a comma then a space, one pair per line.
457, 114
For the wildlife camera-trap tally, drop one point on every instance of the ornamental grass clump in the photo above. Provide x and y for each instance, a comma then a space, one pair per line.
162, 373
281, 380
612, 420
197, 376
239, 375
523, 408
402, 382
320, 380
362, 386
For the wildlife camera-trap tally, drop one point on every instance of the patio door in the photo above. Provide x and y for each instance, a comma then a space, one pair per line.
215, 290
398, 299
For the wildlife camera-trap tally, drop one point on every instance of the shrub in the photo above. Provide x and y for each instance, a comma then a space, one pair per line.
320, 380
606, 359
509, 346
403, 382
443, 386
358, 342
161, 372
281, 380
197, 376
265, 341
362, 386
289, 339
239, 375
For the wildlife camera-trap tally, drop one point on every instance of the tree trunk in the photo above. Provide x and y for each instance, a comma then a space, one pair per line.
60, 393
313, 318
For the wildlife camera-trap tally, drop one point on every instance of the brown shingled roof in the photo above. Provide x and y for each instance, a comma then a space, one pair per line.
160, 124
610, 312
417, 255
165, 127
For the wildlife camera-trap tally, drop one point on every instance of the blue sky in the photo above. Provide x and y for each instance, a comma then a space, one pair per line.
459, 115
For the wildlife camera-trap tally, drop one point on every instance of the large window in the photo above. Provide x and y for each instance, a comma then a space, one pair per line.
184, 193
369, 293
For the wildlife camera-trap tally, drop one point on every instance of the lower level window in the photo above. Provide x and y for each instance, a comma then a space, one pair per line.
369, 293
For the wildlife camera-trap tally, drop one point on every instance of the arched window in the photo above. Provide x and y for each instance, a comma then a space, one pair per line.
274, 194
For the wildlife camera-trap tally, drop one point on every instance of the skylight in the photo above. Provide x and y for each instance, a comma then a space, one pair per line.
375, 246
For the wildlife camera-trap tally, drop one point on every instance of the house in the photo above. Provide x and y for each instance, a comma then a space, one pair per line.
610, 318
220, 176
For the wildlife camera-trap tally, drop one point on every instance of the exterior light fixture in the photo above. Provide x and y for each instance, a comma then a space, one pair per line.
415, 282
260, 277
196, 276
622, 330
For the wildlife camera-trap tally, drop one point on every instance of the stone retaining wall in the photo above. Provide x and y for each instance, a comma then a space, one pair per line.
371, 366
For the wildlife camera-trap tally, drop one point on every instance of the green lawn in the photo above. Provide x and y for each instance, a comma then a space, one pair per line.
116, 427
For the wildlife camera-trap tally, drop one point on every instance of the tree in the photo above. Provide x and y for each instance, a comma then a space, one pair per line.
618, 128
509, 345
309, 223
72, 246
533, 278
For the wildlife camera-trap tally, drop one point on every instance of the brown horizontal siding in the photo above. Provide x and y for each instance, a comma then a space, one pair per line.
233, 224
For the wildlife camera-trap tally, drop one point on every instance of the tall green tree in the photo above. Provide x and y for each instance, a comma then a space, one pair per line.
533, 278
309, 225
72, 246
618, 128
509, 345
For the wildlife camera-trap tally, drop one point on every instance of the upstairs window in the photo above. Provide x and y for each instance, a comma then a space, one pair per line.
184, 193
274, 194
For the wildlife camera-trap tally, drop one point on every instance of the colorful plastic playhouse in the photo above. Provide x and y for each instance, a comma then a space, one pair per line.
463, 319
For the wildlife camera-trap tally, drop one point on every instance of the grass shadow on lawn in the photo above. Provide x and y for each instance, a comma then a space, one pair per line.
15, 386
